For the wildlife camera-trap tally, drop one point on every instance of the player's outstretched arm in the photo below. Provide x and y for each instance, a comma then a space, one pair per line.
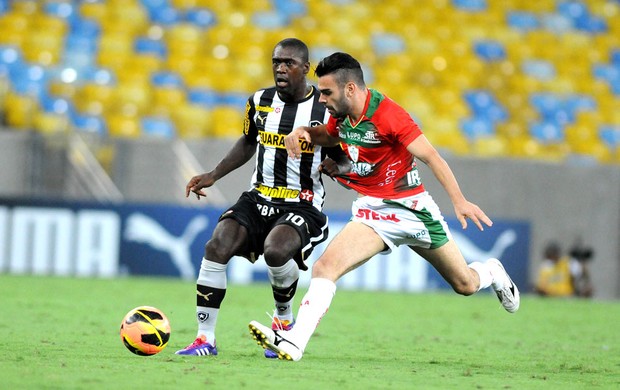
316, 134
241, 152
422, 149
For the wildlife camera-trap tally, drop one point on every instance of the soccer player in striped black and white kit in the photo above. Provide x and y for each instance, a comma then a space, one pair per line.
280, 216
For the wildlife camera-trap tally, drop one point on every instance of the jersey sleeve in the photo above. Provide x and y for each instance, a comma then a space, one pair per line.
250, 131
332, 127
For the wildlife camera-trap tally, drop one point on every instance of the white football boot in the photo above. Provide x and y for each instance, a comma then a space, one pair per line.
275, 341
507, 292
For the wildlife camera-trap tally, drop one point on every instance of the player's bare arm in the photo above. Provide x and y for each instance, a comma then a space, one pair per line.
422, 149
317, 135
241, 152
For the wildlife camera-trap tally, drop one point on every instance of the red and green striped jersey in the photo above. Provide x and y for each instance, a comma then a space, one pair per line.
377, 146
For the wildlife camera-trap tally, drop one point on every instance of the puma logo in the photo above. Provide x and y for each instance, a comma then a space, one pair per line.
286, 295
471, 252
145, 230
205, 296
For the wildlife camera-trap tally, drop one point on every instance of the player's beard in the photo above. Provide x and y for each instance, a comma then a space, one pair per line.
340, 109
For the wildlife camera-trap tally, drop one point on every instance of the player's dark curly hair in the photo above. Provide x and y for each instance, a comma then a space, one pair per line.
297, 45
344, 66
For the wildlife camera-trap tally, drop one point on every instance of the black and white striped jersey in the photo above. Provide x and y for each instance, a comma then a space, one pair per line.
276, 177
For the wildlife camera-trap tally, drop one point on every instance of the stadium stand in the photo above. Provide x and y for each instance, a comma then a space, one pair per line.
487, 78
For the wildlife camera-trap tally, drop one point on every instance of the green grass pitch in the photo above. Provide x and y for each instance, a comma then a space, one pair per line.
63, 333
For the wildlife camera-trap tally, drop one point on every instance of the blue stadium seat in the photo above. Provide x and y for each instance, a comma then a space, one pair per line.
30, 79
10, 58
556, 23
154, 4
547, 132
89, 124
470, 5
484, 105
145, 45
552, 108
61, 9
56, 105
86, 28
203, 97
576, 103
270, 20
610, 135
201, 17
477, 127
490, 51
158, 127
539, 69
291, 8
606, 72
165, 15
167, 79
384, 44
614, 57
236, 100
523, 21
581, 17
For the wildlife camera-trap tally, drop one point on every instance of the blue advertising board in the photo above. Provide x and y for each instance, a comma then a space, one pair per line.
112, 240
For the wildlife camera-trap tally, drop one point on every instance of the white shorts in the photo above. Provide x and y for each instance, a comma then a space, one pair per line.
413, 221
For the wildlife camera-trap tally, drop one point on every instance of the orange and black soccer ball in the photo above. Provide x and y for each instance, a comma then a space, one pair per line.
145, 330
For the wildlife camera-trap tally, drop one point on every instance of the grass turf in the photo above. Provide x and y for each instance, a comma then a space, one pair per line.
62, 333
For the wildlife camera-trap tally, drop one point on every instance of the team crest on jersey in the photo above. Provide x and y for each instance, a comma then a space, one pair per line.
354, 153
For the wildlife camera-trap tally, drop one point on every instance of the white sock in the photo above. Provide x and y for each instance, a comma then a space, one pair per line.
484, 272
211, 275
313, 307
284, 278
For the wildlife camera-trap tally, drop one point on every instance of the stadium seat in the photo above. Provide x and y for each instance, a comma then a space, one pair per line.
226, 122
123, 126
92, 124
158, 127
547, 132
495, 76
191, 121
477, 127
20, 110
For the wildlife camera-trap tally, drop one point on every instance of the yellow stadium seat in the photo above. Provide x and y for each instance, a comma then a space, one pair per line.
166, 98
25, 7
94, 99
94, 10
20, 110
496, 146
191, 121
132, 97
123, 126
60, 89
226, 122
43, 47
184, 4
49, 123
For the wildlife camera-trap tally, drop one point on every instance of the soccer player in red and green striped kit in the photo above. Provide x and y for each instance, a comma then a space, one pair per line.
392, 209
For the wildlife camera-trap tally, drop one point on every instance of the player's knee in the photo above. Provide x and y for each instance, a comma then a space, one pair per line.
217, 251
276, 256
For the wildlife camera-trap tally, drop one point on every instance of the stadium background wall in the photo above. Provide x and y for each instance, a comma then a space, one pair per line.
561, 202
